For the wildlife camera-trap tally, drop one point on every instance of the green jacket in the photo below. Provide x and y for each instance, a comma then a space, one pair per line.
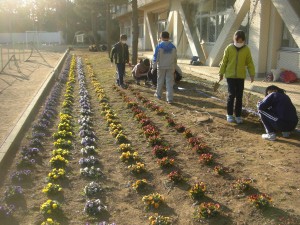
235, 61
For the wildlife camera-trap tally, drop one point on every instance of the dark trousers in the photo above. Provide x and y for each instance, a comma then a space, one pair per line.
121, 73
235, 95
273, 124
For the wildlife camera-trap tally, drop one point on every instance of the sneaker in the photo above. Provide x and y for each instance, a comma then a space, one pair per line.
123, 86
158, 97
138, 83
269, 136
170, 102
230, 119
286, 134
238, 120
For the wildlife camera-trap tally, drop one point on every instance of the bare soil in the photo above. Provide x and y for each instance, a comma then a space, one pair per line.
273, 166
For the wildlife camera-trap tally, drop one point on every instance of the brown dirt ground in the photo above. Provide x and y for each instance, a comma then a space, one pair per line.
274, 166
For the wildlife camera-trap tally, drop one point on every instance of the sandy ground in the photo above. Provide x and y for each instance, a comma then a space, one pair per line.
19, 84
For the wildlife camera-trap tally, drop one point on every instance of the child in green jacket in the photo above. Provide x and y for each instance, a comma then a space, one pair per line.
237, 57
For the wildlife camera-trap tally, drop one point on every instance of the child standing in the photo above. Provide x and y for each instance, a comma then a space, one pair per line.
120, 54
236, 58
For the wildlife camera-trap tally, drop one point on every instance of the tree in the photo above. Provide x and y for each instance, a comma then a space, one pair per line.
135, 32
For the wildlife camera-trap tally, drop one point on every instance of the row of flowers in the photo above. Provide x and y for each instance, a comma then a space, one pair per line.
161, 150
199, 146
63, 145
31, 153
89, 163
128, 155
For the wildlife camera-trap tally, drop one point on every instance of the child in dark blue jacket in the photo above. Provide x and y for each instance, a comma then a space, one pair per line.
277, 113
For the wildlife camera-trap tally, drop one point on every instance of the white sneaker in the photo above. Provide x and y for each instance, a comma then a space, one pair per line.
286, 134
270, 136
238, 120
230, 119
157, 96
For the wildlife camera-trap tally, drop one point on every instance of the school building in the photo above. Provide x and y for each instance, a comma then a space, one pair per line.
204, 28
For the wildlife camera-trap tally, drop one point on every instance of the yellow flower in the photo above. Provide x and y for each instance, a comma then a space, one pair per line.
54, 206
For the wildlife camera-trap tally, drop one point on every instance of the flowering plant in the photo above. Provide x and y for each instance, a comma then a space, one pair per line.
13, 193
170, 121
137, 168
64, 126
50, 207
94, 207
165, 162
260, 200
58, 161
88, 141
207, 210
160, 220
139, 184
160, 151
136, 110
140, 116
36, 143
56, 174
200, 148
91, 172
63, 143
242, 184
26, 162
121, 138
89, 161
187, 133
193, 141
63, 134
20, 176
175, 176
30, 152
125, 147
92, 189
129, 157
131, 104
63, 152
198, 190
88, 150
5, 212
52, 189
206, 158
179, 128
153, 201
50, 221
220, 170
145, 122
155, 140
150, 130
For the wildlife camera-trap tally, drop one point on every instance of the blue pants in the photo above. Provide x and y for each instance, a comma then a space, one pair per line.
121, 73
273, 124
235, 93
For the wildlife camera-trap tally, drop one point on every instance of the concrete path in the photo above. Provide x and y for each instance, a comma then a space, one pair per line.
19, 86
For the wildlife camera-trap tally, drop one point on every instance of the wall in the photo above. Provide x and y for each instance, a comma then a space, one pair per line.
289, 60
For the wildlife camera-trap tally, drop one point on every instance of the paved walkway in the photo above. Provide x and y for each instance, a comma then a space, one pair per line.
19, 86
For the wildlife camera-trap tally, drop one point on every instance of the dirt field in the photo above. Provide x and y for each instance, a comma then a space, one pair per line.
272, 166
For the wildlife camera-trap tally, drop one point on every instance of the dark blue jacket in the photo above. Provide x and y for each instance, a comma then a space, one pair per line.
280, 107
119, 53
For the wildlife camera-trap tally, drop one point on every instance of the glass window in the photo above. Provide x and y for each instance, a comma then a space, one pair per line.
287, 39
211, 17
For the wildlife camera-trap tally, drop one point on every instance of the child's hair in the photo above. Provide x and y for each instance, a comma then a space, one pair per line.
123, 37
165, 35
146, 62
239, 34
274, 88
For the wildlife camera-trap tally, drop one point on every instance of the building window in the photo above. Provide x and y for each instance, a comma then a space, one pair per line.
127, 31
211, 17
141, 30
287, 39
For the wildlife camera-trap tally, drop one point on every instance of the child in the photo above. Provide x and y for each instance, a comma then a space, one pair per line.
277, 113
165, 61
140, 71
236, 58
120, 54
